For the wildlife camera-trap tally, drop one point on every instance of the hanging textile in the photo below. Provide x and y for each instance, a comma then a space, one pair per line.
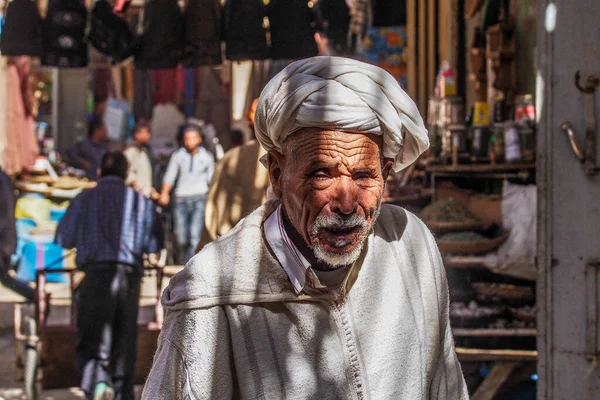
64, 34
3, 132
202, 33
360, 13
143, 99
128, 85
109, 33
161, 37
165, 84
292, 29
388, 13
245, 35
334, 21
241, 73
189, 92
21, 147
22, 30
213, 103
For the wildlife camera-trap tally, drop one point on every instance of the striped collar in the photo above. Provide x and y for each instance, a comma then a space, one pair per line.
296, 266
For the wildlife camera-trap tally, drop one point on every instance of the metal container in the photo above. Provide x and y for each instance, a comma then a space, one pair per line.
512, 145
481, 141
453, 111
497, 143
528, 141
525, 110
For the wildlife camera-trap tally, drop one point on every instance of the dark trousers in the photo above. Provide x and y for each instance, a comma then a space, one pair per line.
107, 310
16, 285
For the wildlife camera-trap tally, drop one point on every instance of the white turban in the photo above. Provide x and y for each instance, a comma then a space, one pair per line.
345, 95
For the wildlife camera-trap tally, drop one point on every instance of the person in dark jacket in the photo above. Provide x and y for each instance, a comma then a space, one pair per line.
88, 153
8, 239
112, 227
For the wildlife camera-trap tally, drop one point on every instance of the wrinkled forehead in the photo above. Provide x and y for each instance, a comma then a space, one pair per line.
310, 139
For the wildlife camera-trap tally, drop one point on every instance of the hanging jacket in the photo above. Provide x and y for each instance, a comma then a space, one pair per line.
22, 30
109, 33
387, 13
244, 33
202, 33
292, 29
334, 20
64, 34
159, 45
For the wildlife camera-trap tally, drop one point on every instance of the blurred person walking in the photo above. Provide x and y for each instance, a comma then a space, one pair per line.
87, 154
238, 187
8, 239
141, 162
188, 176
111, 226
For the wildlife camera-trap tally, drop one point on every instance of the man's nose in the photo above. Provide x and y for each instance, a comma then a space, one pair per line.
345, 196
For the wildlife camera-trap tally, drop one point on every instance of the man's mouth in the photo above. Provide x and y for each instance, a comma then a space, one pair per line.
341, 236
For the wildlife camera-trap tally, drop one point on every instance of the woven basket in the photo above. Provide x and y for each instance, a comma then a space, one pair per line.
478, 247
443, 226
502, 291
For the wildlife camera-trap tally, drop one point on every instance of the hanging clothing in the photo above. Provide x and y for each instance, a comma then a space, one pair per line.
245, 35
292, 29
189, 92
162, 34
334, 20
212, 102
388, 13
109, 33
165, 84
202, 41
143, 99
22, 30
3, 95
21, 147
64, 34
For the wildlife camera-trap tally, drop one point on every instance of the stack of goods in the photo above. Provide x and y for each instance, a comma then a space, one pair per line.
411, 196
449, 215
460, 231
36, 221
51, 185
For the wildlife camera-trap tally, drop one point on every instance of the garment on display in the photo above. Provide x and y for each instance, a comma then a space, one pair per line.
143, 94
202, 33
64, 34
334, 20
109, 33
388, 13
292, 29
22, 30
245, 35
159, 45
21, 148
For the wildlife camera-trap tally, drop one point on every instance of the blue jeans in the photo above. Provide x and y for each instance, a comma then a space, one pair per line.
188, 219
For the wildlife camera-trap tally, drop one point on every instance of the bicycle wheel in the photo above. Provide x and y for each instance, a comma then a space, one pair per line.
31, 360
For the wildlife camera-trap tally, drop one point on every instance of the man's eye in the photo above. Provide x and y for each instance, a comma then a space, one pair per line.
363, 175
319, 174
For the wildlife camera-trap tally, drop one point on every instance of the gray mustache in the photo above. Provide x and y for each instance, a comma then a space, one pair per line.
338, 222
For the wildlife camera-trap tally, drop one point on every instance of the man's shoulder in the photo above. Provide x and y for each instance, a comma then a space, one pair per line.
394, 221
236, 268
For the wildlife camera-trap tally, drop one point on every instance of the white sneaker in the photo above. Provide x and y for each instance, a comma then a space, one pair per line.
103, 392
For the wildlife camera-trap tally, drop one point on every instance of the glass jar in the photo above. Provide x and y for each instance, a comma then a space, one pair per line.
481, 141
512, 145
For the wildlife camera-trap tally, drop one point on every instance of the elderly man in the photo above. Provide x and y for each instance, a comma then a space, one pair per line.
324, 292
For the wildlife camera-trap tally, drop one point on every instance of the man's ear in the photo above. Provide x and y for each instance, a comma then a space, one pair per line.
276, 163
388, 164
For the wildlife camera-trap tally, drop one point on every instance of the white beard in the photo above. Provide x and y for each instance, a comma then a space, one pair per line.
336, 260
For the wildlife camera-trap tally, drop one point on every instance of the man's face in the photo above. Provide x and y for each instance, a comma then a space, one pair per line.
101, 133
191, 140
331, 184
143, 136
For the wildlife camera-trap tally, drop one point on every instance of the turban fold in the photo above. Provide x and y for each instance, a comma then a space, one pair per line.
345, 95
